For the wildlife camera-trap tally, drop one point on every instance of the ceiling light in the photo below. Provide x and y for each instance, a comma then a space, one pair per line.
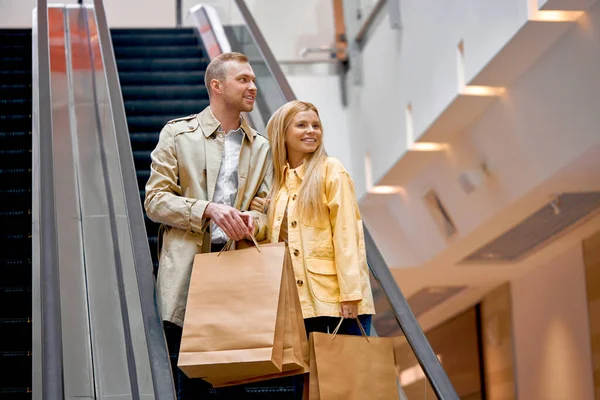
556, 16
472, 90
427, 146
385, 189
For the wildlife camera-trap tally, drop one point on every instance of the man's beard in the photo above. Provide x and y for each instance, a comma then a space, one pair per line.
238, 104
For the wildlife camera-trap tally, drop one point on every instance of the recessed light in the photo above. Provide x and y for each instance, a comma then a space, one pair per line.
556, 16
473, 90
385, 189
427, 146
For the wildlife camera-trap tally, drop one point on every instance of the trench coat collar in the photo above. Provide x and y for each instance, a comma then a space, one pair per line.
209, 124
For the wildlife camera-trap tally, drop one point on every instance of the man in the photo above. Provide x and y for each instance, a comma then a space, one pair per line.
205, 169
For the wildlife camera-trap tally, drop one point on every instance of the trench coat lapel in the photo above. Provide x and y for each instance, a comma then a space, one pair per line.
214, 154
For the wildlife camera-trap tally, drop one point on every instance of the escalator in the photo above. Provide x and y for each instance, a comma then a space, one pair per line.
15, 214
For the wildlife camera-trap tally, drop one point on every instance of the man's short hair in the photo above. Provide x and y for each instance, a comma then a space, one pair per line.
217, 69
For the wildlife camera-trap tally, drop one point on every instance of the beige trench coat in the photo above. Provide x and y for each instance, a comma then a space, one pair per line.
184, 170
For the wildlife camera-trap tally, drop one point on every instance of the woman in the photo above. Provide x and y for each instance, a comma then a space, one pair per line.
313, 208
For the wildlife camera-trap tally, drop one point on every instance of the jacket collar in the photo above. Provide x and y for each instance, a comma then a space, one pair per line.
300, 171
209, 124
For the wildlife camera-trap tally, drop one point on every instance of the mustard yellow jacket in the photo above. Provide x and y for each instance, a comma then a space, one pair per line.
328, 256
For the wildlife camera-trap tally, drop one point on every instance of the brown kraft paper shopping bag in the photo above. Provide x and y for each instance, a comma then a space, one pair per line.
234, 322
295, 344
345, 367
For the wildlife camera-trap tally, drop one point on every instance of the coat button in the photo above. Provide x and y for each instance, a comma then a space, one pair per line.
296, 252
294, 197
293, 224
300, 282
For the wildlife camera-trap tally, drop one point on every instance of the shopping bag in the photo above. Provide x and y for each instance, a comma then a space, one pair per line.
295, 344
235, 314
345, 367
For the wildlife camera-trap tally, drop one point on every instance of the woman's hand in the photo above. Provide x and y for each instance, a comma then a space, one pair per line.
349, 309
259, 204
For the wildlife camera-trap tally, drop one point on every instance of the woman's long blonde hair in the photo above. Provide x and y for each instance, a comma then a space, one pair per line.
310, 205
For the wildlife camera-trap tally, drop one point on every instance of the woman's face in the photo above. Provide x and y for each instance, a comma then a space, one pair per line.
304, 135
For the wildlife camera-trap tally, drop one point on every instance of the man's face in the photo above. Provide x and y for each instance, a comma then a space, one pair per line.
239, 90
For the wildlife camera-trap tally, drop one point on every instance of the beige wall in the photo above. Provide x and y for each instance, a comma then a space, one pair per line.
551, 331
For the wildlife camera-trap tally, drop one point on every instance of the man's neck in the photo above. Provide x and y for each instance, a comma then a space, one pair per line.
229, 119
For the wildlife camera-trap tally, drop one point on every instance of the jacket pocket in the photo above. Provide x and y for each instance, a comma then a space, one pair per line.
323, 281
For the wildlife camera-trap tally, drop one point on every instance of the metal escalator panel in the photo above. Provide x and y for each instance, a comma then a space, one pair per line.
15, 213
109, 340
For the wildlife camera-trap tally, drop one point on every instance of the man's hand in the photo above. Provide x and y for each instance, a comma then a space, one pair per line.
233, 222
249, 221
259, 204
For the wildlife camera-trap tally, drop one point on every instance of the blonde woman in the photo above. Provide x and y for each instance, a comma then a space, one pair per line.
313, 208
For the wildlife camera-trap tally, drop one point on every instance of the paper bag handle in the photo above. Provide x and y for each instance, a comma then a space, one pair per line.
362, 330
230, 243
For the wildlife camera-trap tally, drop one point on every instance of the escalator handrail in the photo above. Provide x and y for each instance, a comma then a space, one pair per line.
430, 363
160, 366
417, 340
48, 382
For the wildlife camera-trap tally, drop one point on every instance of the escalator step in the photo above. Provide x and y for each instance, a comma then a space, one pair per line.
14, 177
15, 272
10, 63
7, 50
15, 76
15, 158
15, 139
16, 370
141, 159
18, 122
142, 178
16, 221
159, 64
18, 91
174, 52
162, 78
153, 39
164, 107
162, 92
15, 106
148, 124
151, 31
144, 141
15, 302
15, 334
16, 246
16, 196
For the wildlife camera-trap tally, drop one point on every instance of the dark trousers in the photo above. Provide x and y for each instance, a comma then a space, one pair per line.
196, 389
328, 325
